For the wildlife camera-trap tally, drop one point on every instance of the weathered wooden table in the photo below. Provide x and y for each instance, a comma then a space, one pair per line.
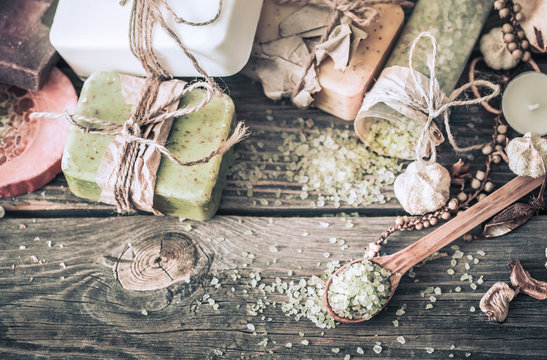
63, 261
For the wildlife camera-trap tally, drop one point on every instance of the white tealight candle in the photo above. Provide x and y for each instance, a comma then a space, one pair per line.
524, 103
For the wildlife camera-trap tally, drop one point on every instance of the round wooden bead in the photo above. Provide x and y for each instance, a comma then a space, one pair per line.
504, 12
507, 28
517, 54
508, 37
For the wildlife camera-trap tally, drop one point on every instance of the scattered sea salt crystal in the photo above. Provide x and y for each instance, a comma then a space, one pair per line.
251, 327
401, 339
22, 247
429, 350
377, 349
273, 249
360, 351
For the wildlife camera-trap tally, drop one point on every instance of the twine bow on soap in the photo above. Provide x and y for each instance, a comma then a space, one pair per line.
359, 12
143, 133
433, 102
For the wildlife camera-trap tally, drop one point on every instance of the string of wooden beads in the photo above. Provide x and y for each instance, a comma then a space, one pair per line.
513, 34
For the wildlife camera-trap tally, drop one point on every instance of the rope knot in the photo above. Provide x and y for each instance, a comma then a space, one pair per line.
360, 12
434, 103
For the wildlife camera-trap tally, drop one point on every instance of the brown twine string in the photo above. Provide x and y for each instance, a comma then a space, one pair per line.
360, 12
485, 104
437, 103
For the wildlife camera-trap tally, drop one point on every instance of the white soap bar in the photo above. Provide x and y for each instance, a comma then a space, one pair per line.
93, 36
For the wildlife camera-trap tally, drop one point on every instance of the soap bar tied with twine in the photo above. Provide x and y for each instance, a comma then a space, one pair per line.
127, 173
290, 69
425, 186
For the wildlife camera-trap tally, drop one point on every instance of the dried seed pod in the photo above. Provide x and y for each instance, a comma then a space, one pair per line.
517, 54
495, 51
480, 175
502, 129
528, 155
495, 303
453, 204
489, 186
519, 16
498, 5
507, 28
475, 184
517, 8
504, 13
524, 44
526, 56
512, 46
423, 187
500, 139
527, 284
508, 37
487, 149
508, 220
462, 196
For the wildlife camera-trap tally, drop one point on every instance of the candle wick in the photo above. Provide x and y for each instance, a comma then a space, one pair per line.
533, 107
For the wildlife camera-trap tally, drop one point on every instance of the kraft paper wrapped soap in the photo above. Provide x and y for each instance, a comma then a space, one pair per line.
350, 60
186, 191
93, 36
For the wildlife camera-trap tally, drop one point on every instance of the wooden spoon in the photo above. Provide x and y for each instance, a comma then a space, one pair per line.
400, 262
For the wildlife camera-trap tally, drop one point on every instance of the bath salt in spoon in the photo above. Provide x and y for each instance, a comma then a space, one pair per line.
360, 289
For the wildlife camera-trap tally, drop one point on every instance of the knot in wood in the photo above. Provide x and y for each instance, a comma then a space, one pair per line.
157, 262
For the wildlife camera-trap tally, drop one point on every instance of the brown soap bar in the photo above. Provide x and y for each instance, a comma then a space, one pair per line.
26, 55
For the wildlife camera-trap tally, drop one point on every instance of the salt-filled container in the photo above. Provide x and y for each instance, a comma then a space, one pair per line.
93, 36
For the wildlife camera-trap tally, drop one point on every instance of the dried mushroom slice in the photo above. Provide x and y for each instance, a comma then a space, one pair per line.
495, 303
527, 284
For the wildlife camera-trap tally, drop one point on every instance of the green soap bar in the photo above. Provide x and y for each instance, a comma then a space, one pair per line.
191, 192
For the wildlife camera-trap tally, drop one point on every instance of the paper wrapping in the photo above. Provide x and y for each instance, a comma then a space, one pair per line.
279, 62
143, 171
394, 83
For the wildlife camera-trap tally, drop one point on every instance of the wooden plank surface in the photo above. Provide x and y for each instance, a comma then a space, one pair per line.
60, 298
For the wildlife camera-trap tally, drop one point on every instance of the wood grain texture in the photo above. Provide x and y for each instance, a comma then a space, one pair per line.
63, 301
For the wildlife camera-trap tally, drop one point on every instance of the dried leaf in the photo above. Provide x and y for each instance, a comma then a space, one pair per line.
495, 303
459, 174
508, 220
459, 168
526, 283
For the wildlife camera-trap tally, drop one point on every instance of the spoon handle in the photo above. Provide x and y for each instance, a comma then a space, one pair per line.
404, 259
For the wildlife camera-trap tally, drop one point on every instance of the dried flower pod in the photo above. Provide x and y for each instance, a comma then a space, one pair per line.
508, 220
495, 303
527, 284
528, 155
495, 52
423, 187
